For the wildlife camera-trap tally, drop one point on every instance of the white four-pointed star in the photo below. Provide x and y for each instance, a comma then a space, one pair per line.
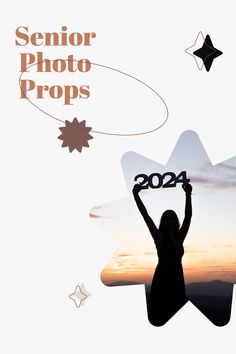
197, 44
79, 295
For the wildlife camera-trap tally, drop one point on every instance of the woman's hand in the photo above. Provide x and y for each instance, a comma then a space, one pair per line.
187, 188
137, 188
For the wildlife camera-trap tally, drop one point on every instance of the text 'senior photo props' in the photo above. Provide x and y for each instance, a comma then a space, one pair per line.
152, 225
73, 90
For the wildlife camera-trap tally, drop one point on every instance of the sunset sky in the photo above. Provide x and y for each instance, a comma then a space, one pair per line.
210, 246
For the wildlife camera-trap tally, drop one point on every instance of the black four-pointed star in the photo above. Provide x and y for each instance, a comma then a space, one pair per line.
207, 53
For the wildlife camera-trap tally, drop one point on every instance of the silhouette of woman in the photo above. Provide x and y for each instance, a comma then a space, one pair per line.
167, 293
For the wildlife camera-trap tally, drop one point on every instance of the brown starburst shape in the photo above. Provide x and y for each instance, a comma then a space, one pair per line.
75, 135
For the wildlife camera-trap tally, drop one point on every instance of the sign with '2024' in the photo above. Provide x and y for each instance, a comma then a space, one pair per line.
157, 180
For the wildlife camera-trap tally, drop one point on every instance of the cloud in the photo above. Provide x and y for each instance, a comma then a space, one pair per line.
193, 250
200, 180
94, 215
124, 255
218, 181
227, 245
226, 167
220, 176
226, 185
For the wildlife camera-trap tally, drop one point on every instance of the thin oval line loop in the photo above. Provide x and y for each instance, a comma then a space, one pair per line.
97, 131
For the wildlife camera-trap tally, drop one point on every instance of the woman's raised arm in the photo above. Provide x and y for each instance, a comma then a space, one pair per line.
148, 220
188, 211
